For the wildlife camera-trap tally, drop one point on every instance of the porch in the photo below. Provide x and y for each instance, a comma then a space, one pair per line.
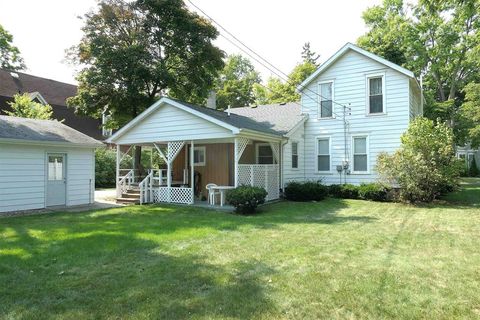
178, 171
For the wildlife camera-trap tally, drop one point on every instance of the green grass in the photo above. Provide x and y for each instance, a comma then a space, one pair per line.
331, 259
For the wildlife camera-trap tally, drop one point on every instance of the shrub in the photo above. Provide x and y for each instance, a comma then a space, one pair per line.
425, 165
306, 191
373, 191
245, 199
105, 167
344, 191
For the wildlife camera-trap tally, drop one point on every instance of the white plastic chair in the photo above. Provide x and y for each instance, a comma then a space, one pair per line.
212, 193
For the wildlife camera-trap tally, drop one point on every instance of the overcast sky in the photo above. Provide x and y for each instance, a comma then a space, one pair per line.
275, 29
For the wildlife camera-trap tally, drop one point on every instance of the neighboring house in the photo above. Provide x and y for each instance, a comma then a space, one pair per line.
467, 154
353, 107
44, 163
46, 91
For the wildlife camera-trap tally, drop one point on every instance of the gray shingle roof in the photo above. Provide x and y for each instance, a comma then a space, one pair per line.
42, 131
276, 119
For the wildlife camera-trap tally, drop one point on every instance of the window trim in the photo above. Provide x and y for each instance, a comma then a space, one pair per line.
319, 106
352, 147
367, 93
200, 148
291, 154
257, 155
329, 153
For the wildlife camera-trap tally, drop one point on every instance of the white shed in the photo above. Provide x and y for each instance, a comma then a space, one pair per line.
44, 163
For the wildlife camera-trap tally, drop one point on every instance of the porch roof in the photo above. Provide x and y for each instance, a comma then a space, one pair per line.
266, 121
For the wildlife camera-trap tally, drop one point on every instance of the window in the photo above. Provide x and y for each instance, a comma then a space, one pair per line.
375, 94
106, 132
199, 155
326, 99
360, 156
264, 154
294, 155
55, 168
323, 154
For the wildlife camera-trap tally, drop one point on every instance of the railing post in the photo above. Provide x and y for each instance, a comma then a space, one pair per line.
151, 186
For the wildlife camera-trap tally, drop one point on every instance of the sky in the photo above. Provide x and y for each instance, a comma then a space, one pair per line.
275, 29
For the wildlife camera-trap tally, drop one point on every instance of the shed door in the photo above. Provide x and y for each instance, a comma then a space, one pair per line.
56, 182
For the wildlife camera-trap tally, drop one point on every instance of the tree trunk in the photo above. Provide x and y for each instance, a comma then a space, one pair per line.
137, 157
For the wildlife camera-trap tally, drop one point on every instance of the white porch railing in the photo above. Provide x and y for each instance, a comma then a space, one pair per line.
146, 188
266, 176
125, 182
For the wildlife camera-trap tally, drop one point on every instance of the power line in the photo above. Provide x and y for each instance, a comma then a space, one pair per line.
288, 80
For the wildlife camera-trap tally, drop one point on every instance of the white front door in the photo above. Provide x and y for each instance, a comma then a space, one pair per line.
56, 180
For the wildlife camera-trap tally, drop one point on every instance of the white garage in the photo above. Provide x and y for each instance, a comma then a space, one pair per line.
44, 163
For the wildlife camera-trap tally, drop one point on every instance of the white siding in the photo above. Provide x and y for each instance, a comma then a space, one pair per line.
415, 103
23, 176
169, 123
349, 74
289, 173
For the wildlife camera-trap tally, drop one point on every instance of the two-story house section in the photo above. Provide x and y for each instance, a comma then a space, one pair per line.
358, 105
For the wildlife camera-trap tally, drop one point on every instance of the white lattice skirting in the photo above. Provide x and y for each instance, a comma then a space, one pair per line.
261, 175
176, 195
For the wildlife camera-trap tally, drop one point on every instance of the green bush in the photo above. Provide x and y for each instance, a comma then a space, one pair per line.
245, 199
105, 167
373, 191
344, 191
425, 165
305, 191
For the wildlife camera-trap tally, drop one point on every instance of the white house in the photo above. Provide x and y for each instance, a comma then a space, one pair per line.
44, 163
353, 107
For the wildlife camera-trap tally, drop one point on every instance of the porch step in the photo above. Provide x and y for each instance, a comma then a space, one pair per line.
124, 200
131, 195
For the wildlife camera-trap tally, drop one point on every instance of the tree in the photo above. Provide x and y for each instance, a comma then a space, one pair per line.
308, 55
235, 84
23, 106
470, 113
133, 51
278, 91
10, 58
439, 39
425, 166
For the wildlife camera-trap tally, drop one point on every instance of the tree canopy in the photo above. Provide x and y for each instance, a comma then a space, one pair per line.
10, 58
235, 84
437, 39
23, 106
134, 51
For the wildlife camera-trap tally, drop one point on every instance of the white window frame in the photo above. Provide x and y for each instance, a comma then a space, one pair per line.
329, 153
319, 107
291, 154
204, 150
257, 154
367, 93
352, 147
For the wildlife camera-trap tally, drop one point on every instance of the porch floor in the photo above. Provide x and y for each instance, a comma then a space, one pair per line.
205, 204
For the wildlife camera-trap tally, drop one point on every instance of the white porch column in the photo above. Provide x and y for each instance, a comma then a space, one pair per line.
239, 146
169, 181
192, 171
117, 172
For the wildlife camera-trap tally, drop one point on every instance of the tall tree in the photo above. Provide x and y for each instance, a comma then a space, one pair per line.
23, 106
470, 113
278, 91
308, 55
10, 58
439, 39
235, 84
133, 51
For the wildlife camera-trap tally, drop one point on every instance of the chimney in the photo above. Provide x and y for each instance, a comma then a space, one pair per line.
212, 100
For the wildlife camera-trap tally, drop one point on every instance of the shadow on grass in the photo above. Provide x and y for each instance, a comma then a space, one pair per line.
122, 276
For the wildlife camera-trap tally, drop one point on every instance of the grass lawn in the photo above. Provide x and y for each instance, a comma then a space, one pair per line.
331, 259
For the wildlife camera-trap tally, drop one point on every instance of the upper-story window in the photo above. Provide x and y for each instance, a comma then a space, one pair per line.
376, 94
326, 99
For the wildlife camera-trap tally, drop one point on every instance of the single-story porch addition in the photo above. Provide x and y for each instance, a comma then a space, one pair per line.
197, 146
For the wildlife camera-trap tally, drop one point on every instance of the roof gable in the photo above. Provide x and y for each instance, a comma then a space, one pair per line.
340, 53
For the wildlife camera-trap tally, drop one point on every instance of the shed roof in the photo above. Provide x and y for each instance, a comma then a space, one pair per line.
42, 131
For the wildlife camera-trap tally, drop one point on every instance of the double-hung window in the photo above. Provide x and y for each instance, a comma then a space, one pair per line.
375, 92
294, 155
323, 154
326, 99
264, 154
199, 155
360, 154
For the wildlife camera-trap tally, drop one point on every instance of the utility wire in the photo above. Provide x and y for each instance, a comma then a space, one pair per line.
282, 74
